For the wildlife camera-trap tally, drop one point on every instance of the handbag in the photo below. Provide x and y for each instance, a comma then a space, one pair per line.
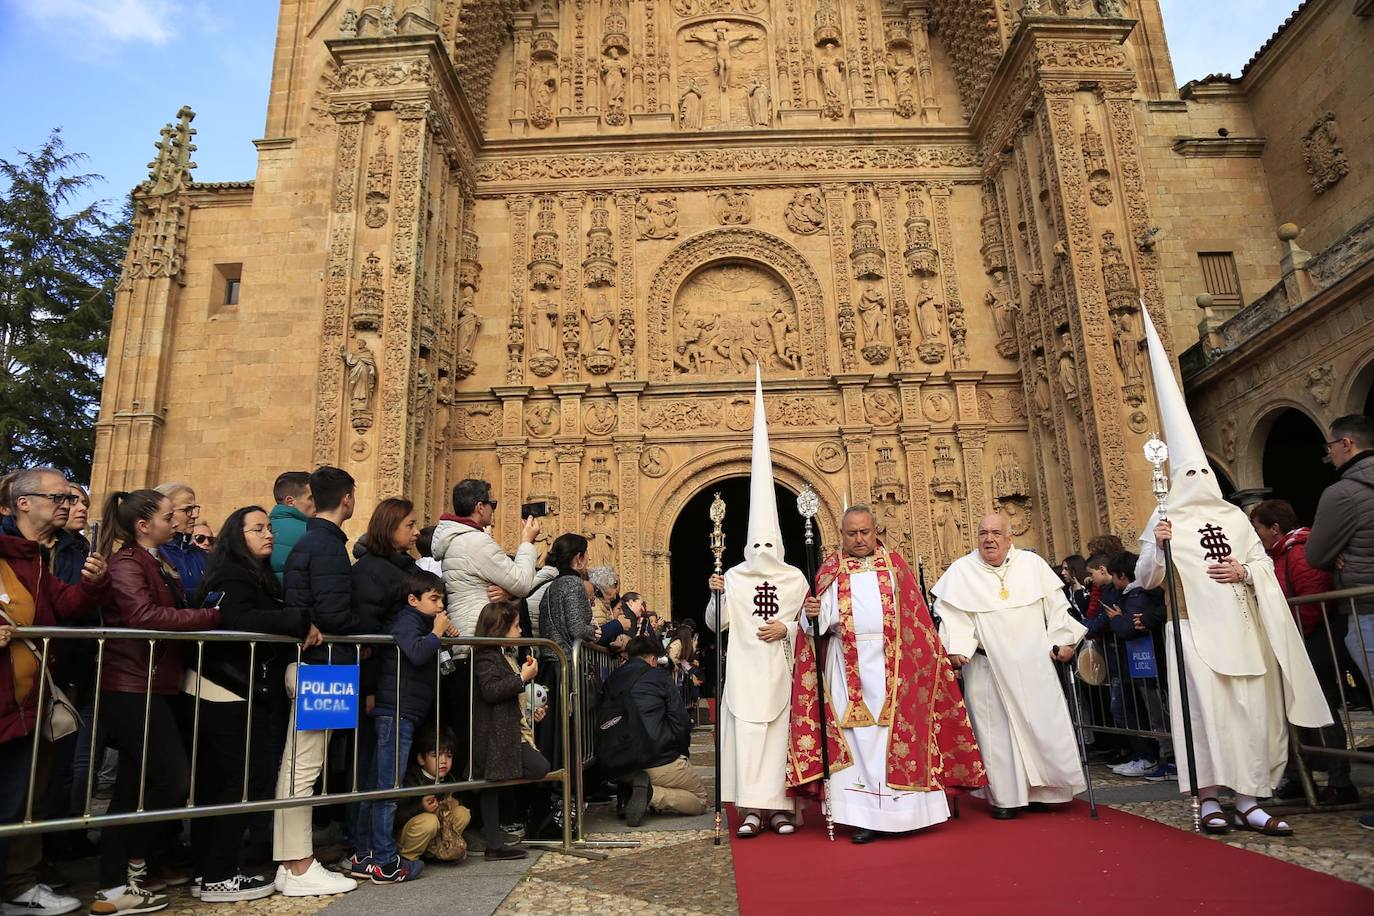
1092, 666
60, 719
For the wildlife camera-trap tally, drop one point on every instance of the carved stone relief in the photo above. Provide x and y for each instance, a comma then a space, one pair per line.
733, 208
805, 213
362, 382
684, 415
1002, 302
1323, 154
830, 456
599, 355
601, 418
543, 338
882, 408
1320, 383
655, 462
721, 61
656, 218
541, 419
366, 314
479, 423
939, 407
730, 315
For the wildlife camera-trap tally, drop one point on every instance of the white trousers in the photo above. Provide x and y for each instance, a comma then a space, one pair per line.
292, 830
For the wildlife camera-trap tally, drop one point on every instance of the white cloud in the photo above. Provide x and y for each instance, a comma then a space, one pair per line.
120, 21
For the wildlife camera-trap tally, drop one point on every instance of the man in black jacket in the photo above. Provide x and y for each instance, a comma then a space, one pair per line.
670, 785
317, 582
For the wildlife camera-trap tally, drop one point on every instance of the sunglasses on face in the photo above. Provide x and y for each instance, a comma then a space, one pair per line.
204, 540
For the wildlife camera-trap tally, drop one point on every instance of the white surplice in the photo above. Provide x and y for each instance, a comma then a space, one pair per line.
859, 794
1014, 697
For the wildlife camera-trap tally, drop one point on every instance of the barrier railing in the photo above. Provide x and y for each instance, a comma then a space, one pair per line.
41, 639
591, 666
1125, 693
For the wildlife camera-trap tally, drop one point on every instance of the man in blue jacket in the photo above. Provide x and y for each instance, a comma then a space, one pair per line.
670, 785
295, 505
317, 582
180, 552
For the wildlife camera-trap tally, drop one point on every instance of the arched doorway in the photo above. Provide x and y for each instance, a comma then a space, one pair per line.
1293, 467
689, 548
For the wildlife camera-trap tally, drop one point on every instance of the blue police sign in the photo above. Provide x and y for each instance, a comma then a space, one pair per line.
1141, 657
326, 697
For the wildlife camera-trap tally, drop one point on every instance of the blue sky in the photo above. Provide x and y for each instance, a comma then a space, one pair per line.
110, 73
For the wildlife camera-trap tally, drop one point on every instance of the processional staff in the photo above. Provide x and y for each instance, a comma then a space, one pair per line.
1156, 452
717, 513
808, 504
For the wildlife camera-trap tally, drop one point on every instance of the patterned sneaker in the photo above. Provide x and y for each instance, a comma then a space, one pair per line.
132, 898
41, 901
359, 867
1162, 773
236, 889
396, 871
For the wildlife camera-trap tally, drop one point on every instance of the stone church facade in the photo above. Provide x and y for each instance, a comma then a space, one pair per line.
544, 243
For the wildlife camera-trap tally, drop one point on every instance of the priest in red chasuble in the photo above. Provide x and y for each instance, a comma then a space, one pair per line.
898, 732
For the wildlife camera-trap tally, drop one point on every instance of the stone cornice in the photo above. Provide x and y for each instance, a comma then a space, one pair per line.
1219, 147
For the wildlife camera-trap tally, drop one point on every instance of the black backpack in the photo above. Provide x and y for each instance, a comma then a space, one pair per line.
622, 744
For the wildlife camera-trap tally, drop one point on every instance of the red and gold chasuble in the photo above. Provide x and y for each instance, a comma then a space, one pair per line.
931, 744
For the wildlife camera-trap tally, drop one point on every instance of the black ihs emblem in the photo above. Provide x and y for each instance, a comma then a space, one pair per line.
1214, 544
766, 601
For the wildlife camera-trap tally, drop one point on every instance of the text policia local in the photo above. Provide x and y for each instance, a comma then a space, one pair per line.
318, 696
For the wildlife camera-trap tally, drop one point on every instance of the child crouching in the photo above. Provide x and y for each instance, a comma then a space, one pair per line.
432, 825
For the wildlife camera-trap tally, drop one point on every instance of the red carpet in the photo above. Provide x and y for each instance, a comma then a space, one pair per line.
1061, 862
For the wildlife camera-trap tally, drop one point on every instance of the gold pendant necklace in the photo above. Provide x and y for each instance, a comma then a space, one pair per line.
1001, 578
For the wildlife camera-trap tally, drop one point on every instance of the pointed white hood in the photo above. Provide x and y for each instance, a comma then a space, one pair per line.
764, 540
1185, 448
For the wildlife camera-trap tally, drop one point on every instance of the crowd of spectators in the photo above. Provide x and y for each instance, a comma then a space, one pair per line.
290, 573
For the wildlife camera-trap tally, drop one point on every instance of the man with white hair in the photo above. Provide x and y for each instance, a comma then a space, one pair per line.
180, 552
1005, 621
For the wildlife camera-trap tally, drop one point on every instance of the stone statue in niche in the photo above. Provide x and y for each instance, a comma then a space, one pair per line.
544, 338
1004, 308
542, 89
949, 531
832, 76
805, 213
1127, 346
928, 314
728, 315
722, 42
614, 72
1068, 368
760, 103
733, 208
892, 526
902, 71
362, 381
601, 540
689, 107
656, 218
873, 315
1041, 393
601, 333
1008, 479
468, 325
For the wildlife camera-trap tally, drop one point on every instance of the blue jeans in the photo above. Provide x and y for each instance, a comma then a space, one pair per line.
386, 776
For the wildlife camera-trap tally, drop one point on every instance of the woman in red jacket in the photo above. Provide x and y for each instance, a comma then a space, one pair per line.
147, 596
1277, 526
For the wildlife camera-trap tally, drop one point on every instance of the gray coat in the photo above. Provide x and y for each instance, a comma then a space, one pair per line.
496, 733
1345, 527
565, 613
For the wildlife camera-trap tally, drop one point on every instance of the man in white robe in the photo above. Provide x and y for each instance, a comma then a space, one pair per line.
762, 602
1005, 621
896, 720
1243, 653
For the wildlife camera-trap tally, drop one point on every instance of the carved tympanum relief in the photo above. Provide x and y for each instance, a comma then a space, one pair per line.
728, 316
723, 74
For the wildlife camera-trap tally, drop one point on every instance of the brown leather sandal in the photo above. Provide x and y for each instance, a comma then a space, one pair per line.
1271, 827
782, 824
751, 826
1216, 822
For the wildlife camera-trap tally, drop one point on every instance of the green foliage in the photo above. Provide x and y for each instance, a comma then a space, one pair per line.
58, 273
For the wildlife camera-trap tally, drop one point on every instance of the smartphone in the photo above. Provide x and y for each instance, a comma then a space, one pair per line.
95, 536
212, 599
534, 510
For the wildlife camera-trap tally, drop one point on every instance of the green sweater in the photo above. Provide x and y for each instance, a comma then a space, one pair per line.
288, 524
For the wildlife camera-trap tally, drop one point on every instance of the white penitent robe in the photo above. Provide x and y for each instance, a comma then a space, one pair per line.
755, 708
1240, 738
1014, 697
859, 795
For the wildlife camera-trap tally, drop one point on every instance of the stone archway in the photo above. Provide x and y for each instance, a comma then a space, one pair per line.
1292, 461
667, 500
748, 246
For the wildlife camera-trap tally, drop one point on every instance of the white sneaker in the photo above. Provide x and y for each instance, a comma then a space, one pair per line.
41, 900
1118, 767
279, 882
1136, 768
317, 881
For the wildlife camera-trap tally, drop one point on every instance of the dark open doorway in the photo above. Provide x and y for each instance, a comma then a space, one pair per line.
689, 548
1293, 467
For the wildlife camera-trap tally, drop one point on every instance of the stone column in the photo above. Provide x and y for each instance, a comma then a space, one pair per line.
522, 25
519, 207
918, 17
572, 286
915, 439
512, 460
839, 260
569, 457
627, 454
944, 243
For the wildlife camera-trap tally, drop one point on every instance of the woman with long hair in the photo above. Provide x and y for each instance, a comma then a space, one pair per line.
384, 561
147, 595
503, 744
680, 652
239, 571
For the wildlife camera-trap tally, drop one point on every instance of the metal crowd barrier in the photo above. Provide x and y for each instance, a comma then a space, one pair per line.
1134, 703
592, 664
43, 636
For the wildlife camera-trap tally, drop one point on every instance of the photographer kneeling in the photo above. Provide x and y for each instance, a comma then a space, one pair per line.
660, 731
